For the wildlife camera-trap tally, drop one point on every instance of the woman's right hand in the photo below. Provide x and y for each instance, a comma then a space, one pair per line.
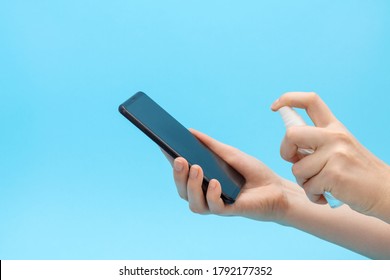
339, 165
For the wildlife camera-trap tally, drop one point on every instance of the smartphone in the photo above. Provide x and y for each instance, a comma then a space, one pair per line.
178, 141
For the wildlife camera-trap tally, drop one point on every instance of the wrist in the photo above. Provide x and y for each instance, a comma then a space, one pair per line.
381, 209
297, 204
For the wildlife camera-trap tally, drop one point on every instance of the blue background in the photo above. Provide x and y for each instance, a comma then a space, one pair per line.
78, 181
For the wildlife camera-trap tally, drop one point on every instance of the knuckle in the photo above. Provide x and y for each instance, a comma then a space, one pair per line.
314, 198
339, 157
311, 197
300, 182
287, 98
334, 174
291, 133
308, 190
341, 136
196, 209
313, 97
311, 188
283, 154
339, 154
215, 211
283, 99
307, 186
296, 170
183, 196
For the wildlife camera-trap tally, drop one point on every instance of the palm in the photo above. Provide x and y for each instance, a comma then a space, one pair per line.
262, 197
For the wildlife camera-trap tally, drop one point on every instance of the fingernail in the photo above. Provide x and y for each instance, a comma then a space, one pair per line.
275, 103
194, 172
178, 165
212, 185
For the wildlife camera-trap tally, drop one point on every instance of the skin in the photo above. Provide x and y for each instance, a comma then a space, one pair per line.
340, 164
269, 197
263, 197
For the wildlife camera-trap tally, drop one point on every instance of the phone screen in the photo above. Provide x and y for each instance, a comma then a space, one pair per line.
177, 141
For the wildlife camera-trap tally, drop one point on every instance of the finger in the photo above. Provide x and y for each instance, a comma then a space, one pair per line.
318, 199
315, 188
180, 175
214, 200
196, 199
317, 110
243, 163
309, 166
305, 137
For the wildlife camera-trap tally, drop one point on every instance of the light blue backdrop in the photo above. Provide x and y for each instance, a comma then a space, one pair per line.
77, 181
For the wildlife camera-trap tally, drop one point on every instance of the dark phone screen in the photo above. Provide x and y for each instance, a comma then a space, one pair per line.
176, 140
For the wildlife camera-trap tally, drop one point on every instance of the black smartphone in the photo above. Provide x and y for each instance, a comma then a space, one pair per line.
178, 141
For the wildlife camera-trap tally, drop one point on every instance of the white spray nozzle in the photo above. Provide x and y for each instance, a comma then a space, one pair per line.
292, 118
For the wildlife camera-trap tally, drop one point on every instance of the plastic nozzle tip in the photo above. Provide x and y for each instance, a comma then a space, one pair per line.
290, 117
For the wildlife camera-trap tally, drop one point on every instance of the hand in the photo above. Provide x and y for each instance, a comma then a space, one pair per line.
340, 164
265, 196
